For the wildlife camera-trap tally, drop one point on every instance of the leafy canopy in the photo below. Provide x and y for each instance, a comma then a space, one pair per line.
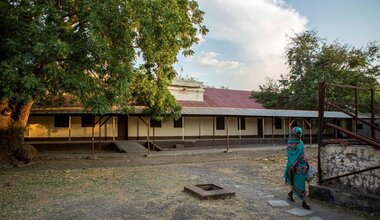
312, 60
89, 49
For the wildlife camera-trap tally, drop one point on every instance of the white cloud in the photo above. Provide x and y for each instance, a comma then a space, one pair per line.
258, 31
209, 59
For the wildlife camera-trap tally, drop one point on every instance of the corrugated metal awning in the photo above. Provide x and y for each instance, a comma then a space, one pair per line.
209, 111
260, 112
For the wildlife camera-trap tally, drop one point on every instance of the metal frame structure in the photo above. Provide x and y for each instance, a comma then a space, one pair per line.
323, 86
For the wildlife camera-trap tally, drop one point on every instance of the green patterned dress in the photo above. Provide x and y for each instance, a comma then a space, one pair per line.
297, 166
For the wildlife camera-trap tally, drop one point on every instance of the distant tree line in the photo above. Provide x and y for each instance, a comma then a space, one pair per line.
311, 60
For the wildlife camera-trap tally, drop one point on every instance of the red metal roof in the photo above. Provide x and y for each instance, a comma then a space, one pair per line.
224, 98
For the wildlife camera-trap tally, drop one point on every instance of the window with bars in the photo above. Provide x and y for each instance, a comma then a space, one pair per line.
61, 121
220, 123
155, 123
87, 120
177, 123
277, 123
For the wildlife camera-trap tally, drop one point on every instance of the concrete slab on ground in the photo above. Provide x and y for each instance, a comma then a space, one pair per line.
278, 203
299, 212
316, 218
130, 146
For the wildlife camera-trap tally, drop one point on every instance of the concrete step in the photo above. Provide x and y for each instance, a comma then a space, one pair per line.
130, 146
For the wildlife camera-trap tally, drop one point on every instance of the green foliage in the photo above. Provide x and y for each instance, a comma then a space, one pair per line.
312, 60
89, 50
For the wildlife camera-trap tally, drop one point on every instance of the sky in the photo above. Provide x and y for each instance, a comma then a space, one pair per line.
247, 38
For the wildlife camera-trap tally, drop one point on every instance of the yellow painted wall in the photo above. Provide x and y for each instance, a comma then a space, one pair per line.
43, 127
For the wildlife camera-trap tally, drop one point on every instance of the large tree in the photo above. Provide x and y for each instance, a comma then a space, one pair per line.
101, 53
312, 60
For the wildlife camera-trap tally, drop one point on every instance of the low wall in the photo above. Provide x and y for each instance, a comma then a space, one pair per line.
218, 142
346, 157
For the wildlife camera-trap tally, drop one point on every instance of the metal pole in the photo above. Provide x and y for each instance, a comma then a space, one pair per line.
356, 136
322, 90
373, 132
353, 116
352, 173
356, 110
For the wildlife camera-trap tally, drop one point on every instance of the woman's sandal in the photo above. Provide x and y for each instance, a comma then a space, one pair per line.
305, 205
290, 197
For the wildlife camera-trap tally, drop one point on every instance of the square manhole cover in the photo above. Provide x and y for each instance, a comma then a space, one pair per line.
209, 191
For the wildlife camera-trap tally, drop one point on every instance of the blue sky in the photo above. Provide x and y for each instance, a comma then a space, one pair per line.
247, 38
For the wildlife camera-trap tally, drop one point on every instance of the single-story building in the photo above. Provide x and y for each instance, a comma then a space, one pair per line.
209, 116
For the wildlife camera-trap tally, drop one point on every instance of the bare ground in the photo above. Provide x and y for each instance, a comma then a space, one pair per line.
122, 186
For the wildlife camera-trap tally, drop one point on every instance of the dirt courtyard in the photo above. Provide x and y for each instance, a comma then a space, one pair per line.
122, 186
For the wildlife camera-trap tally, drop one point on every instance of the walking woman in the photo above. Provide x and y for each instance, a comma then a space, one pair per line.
296, 167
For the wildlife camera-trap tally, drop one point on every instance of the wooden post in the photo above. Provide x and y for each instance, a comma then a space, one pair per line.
69, 128
272, 132
199, 128
183, 129
154, 137
213, 132
93, 139
263, 126
239, 119
100, 134
138, 128
105, 129
310, 130
228, 139
148, 135
113, 128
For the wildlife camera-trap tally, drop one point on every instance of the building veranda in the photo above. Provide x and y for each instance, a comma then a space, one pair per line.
210, 117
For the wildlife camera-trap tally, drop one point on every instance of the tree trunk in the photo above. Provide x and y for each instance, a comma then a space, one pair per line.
13, 121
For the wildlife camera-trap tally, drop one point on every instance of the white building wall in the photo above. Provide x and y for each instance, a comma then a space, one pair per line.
193, 126
188, 94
